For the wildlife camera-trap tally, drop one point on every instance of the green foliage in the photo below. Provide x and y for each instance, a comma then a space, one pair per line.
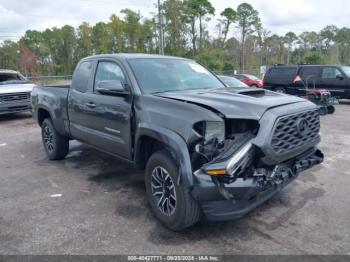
290, 38
247, 16
314, 58
56, 51
175, 29
228, 67
229, 16
197, 10
248, 19
209, 61
9, 55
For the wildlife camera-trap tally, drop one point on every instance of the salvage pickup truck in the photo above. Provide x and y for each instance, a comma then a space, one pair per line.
15, 92
205, 148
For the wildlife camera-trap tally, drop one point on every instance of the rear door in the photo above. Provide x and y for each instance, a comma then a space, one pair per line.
110, 123
310, 76
333, 79
281, 77
78, 100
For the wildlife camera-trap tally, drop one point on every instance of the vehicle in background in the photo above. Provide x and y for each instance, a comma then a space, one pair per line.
323, 99
15, 92
294, 80
205, 148
250, 80
231, 81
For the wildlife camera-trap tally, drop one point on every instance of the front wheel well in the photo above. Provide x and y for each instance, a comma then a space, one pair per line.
42, 115
145, 147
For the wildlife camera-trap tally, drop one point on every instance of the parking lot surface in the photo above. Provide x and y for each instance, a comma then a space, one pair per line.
91, 203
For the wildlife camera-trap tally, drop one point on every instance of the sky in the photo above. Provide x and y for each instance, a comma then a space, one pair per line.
278, 16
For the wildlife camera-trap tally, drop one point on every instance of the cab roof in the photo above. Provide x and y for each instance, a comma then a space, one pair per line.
127, 56
7, 71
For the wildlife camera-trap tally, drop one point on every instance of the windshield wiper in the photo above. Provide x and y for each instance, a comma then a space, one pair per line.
159, 92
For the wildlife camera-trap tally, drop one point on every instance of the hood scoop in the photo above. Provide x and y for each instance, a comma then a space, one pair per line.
253, 92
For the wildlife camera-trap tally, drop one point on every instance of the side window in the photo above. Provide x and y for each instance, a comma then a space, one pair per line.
309, 73
330, 72
82, 76
108, 71
283, 72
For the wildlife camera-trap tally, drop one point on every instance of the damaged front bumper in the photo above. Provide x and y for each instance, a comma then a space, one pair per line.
224, 200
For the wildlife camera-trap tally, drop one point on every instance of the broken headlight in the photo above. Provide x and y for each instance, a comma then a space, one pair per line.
240, 160
209, 140
214, 130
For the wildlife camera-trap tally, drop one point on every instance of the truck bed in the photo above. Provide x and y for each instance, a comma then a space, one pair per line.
53, 97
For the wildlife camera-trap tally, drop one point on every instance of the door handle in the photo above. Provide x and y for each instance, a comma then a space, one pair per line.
90, 105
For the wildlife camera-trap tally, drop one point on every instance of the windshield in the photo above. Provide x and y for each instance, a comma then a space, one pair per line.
346, 70
12, 78
232, 82
157, 75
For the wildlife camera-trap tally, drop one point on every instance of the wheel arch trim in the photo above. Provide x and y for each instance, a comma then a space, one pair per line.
174, 142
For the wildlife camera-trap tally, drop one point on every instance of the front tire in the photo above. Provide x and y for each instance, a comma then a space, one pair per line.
56, 145
171, 203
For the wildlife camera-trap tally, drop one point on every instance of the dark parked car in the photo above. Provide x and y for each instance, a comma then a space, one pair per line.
231, 81
15, 92
250, 80
205, 148
295, 79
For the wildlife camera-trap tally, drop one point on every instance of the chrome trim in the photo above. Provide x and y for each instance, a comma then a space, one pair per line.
234, 162
112, 130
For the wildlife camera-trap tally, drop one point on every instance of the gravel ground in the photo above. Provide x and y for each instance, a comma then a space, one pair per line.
91, 203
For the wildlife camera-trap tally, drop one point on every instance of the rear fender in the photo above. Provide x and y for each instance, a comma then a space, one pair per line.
60, 125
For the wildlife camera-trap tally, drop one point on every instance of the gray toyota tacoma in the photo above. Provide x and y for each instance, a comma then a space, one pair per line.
205, 148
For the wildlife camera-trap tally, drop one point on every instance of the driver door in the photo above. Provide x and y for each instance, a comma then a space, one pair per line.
333, 80
112, 113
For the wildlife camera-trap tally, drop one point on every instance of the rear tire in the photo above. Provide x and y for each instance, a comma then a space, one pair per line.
330, 109
171, 203
280, 89
56, 145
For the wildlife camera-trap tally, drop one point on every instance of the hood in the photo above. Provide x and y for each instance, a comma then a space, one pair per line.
16, 88
233, 103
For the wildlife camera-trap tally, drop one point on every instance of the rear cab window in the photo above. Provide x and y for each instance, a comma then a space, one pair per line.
309, 73
283, 72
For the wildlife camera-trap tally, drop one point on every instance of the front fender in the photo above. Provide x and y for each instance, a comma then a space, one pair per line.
174, 142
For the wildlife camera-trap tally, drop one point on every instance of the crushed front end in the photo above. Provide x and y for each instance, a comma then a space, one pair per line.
253, 160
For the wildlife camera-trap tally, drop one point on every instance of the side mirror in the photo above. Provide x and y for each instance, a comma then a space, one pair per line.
339, 76
111, 87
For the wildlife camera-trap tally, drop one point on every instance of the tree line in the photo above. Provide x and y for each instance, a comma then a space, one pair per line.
56, 51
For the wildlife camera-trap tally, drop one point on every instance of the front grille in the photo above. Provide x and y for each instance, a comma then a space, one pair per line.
287, 136
17, 108
7, 98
